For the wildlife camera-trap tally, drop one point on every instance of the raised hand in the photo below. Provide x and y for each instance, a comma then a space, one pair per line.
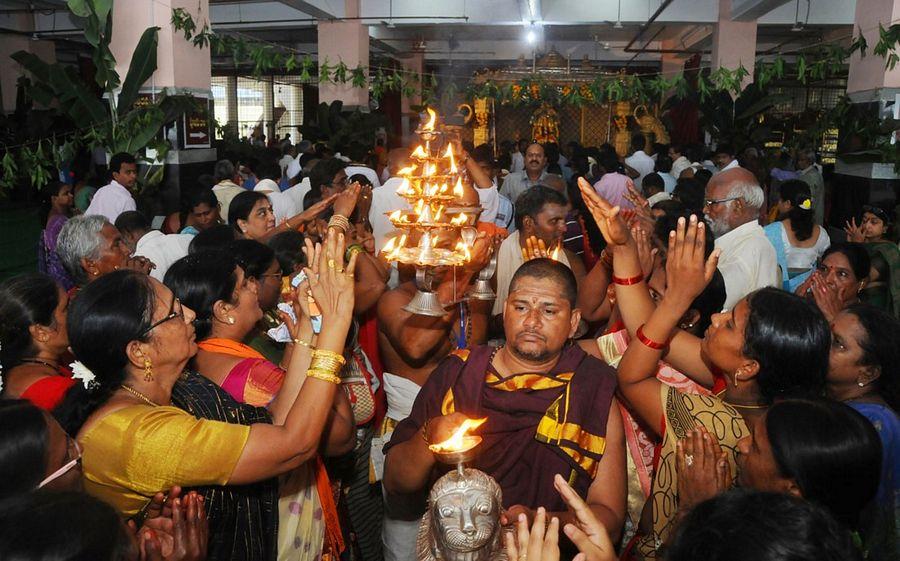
482, 249
541, 543
828, 299
187, 537
687, 261
854, 233
611, 225
330, 283
587, 533
535, 249
346, 200
646, 253
315, 210
703, 470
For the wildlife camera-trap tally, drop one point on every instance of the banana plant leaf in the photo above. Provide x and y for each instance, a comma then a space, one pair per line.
143, 65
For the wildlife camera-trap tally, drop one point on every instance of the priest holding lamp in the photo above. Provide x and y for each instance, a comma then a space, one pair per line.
550, 409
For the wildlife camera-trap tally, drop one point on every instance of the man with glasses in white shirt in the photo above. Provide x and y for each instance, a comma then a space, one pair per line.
747, 260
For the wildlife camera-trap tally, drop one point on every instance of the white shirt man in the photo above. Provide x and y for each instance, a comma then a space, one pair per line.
370, 174
163, 250
111, 201
282, 204
641, 163
747, 261
679, 165
384, 201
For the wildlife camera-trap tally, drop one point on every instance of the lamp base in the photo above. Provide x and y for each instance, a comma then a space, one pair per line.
482, 290
425, 303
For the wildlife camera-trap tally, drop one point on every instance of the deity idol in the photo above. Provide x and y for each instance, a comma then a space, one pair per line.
462, 521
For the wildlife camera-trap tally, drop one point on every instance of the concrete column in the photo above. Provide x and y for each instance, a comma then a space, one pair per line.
268, 85
182, 68
10, 70
232, 97
734, 42
671, 63
414, 62
875, 89
346, 41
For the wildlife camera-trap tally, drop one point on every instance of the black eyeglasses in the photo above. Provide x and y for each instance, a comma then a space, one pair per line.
711, 202
171, 315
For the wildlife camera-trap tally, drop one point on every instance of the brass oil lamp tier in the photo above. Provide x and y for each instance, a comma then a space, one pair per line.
439, 230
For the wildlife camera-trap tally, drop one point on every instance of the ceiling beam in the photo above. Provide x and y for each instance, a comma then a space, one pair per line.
307, 8
749, 10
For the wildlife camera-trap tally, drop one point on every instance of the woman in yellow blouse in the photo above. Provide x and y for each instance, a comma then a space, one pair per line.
136, 338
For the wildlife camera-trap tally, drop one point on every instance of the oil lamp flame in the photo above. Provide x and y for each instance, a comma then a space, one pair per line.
449, 154
407, 170
432, 119
460, 220
394, 216
459, 440
555, 253
458, 188
419, 152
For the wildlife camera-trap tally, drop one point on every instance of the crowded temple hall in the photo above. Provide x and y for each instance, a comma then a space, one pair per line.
457, 280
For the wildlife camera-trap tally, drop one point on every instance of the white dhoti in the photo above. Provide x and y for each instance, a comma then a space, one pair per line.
401, 512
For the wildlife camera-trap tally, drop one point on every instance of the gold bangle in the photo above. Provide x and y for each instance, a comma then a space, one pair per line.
323, 375
326, 364
304, 343
325, 353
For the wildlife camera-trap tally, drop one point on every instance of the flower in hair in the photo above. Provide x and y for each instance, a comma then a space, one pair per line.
83, 373
806, 204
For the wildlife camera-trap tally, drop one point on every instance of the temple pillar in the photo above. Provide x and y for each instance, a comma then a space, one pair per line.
232, 101
413, 62
734, 43
346, 41
874, 91
182, 69
671, 64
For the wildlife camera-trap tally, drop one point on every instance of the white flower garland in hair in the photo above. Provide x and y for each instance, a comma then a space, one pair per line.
83, 373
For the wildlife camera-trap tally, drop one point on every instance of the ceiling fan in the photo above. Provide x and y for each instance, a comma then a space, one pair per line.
618, 23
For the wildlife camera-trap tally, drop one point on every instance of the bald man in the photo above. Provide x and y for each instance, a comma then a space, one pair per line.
748, 261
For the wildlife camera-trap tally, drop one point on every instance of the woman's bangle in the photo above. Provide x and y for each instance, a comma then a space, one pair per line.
606, 259
647, 342
323, 375
329, 355
340, 222
629, 280
304, 343
353, 249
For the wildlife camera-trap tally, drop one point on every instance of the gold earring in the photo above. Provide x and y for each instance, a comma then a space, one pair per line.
230, 320
148, 371
735, 379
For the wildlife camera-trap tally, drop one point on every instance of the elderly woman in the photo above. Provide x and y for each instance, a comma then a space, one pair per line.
90, 247
136, 339
33, 340
772, 344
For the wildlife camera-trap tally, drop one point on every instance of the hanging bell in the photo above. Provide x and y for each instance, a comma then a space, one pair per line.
425, 302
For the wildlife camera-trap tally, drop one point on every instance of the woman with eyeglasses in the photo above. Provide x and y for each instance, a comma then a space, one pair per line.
33, 340
875, 231
136, 338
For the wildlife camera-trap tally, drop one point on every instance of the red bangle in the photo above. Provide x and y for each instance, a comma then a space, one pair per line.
628, 281
650, 342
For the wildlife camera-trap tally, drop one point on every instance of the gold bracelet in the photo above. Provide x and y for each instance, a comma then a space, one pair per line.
323, 375
325, 353
340, 222
305, 344
326, 364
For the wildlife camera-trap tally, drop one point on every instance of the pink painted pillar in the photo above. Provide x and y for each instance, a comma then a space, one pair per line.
413, 61
346, 41
179, 63
734, 42
869, 73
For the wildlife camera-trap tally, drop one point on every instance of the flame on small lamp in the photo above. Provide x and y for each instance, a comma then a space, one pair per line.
407, 170
419, 152
458, 188
449, 154
394, 216
460, 220
432, 119
460, 440
555, 253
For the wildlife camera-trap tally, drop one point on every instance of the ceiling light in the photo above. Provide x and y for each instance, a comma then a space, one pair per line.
797, 27
617, 25
531, 36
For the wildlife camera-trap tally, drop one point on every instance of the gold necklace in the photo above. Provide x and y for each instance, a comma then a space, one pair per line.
738, 405
139, 395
